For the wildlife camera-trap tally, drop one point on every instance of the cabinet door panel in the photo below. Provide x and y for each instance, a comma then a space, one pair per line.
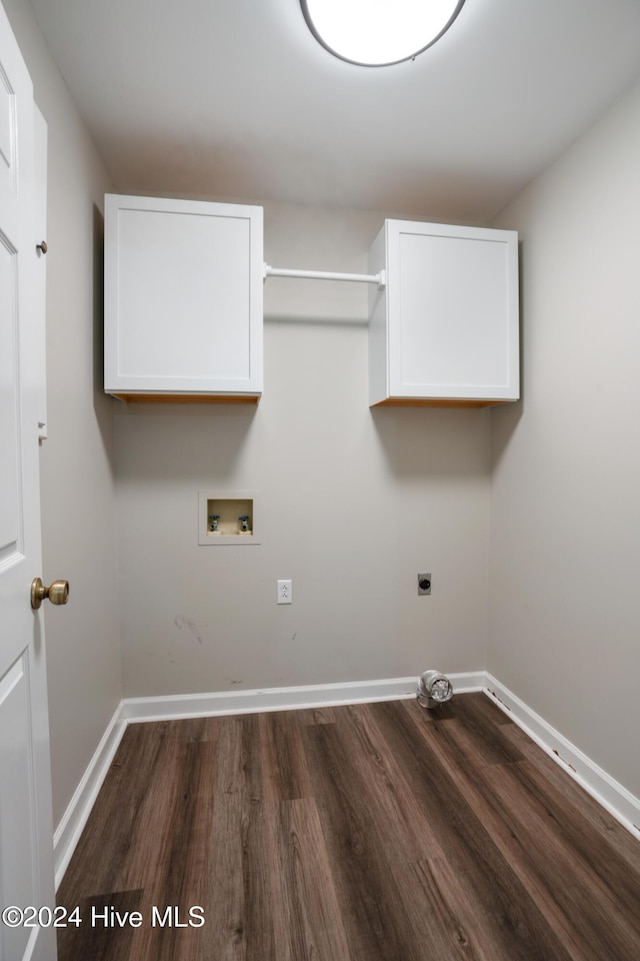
446, 330
453, 330
183, 296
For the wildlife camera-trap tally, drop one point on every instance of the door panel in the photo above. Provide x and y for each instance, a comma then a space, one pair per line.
9, 446
17, 801
26, 840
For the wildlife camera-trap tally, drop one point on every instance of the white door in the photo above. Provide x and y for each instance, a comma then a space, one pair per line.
26, 849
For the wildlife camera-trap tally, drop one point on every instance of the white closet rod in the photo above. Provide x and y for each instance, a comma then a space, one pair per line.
378, 279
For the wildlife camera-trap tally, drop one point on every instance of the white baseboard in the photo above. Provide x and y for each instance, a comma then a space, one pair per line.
615, 798
68, 832
283, 698
607, 792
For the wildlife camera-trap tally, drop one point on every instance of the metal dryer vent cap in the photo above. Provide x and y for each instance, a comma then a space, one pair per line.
433, 689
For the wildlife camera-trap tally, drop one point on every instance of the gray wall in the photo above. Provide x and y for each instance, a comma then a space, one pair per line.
564, 628
352, 505
77, 464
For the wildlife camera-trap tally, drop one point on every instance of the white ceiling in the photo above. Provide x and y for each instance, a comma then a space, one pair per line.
235, 98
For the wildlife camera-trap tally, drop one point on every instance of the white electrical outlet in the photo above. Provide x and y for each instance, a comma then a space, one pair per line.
284, 592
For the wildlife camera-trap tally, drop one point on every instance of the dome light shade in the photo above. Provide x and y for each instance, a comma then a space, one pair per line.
378, 32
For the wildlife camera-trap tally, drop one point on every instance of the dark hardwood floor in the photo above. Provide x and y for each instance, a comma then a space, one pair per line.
377, 832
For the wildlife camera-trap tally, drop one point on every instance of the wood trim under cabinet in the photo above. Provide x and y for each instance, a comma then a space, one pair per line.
438, 402
139, 398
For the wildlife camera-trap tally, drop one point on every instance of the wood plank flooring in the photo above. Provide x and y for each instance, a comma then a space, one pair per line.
377, 832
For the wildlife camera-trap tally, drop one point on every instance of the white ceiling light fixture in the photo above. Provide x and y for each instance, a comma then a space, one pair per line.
377, 33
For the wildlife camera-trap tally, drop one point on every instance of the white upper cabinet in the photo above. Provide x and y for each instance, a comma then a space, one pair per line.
183, 300
444, 330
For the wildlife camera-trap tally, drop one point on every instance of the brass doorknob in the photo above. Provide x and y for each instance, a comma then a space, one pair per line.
57, 593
